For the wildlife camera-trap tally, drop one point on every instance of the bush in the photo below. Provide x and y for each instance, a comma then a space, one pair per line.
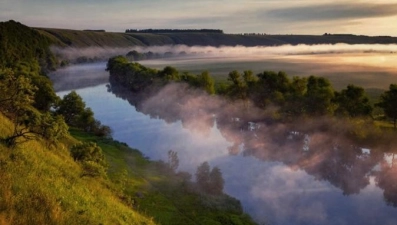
91, 157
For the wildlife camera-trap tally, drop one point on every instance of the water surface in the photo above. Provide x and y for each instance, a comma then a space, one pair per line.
277, 183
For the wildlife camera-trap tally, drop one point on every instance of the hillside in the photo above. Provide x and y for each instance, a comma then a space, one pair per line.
77, 38
43, 185
58, 165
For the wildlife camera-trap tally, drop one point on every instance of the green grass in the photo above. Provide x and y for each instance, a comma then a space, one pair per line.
159, 193
43, 185
77, 38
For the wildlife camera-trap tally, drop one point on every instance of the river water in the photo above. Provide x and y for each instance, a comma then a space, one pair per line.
293, 183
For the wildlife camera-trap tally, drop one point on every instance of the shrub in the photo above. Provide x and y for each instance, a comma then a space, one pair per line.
91, 157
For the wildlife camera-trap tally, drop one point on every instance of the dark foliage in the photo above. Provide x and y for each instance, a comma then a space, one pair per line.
159, 31
19, 43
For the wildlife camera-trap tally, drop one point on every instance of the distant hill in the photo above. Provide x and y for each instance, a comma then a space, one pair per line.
76, 38
19, 43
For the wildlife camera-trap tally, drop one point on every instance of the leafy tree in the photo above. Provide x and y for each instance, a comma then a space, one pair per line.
45, 96
206, 82
272, 87
72, 107
173, 160
101, 130
216, 181
86, 120
16, 102
203, 175
388, 102
115, 61
210, 181
91, 157
51, 127
237, 89
169, 73
190, 79
319, 96
135, 55
353, 102
88, 151
295, 105
249, 78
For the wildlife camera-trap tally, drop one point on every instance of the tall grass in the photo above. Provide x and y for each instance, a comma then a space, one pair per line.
43, 185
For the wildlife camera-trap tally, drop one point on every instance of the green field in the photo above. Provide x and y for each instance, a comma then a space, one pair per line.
335, 69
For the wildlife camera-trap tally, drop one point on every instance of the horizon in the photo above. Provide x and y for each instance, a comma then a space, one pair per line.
246, 33
359, 17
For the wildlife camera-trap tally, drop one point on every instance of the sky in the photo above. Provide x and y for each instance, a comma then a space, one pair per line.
362, 17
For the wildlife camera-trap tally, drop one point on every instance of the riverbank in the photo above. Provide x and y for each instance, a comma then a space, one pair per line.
169, 197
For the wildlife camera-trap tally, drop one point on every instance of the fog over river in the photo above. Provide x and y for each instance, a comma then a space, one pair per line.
280, 175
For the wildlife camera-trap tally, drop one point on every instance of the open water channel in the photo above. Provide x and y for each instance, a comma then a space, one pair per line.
300, 182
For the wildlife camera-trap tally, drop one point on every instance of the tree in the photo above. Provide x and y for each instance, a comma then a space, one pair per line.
272, 88
86, 121
134, 55
319, 96
388, 102
51, 127
45, 96
173, 160
71, 107
91, 158
295, 105
17, 94
216, 181
206, 82
169, 73
203, 176
238, 88
353, 102
209, 181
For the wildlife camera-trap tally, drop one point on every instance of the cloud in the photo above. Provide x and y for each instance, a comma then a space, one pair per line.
326, 12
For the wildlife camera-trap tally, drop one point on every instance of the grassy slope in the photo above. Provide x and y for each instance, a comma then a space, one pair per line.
161, 194
42, 185
77, 38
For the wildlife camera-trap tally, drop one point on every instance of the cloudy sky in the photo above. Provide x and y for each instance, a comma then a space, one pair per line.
366, 17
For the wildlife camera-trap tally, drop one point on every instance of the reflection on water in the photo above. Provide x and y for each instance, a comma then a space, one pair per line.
275, 179
308, 173
367, 70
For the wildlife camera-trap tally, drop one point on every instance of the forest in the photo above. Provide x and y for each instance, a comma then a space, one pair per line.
297, 97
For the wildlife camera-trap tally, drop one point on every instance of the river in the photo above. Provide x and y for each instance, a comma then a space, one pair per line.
276, 183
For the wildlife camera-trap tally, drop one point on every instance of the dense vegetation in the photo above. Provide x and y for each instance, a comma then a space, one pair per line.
288, 99
58, 165
77, 38
313, 96
138, 77
49, 176
20, 44
159, 31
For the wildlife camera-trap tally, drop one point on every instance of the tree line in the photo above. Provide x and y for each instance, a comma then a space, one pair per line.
157, 31
137, 77
294, 97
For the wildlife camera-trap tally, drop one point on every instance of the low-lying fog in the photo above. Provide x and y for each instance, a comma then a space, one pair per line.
277, 181
370, 66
